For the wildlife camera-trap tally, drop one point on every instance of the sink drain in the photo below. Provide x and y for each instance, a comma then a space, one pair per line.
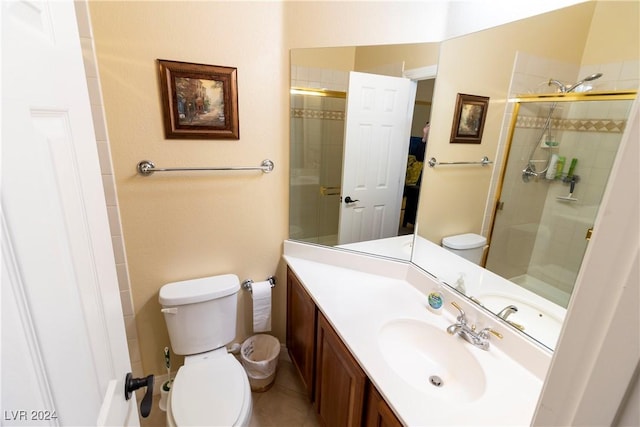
435, 380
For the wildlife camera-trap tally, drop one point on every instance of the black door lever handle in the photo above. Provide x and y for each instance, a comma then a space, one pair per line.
348, 199
132, 384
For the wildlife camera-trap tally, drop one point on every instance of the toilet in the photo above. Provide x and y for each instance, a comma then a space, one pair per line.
212, 387
469, 246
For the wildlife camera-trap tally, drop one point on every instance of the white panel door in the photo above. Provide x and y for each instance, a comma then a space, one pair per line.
377, 135
64, 350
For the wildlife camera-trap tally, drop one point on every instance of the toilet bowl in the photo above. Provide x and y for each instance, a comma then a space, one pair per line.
210, 391
212, 387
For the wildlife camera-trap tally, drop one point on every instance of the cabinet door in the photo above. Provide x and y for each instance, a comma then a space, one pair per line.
378, 413
301, 330
340, 382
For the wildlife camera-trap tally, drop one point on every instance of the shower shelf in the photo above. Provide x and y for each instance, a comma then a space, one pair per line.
565, 179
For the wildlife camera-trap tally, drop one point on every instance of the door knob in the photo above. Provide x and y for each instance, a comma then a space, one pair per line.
132, 384
350, 200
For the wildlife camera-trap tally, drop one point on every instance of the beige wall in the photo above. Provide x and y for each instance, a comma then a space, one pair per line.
614, 34
482, 64
180, 226
356, 23
412, 55
338, 58
350, 58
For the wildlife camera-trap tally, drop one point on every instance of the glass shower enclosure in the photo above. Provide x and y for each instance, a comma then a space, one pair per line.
317, 141
552, 186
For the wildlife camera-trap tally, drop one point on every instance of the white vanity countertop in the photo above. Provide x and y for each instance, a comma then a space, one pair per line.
358, 303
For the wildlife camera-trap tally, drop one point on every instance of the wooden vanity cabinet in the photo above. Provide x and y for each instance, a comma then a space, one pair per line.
377, 411
342, 394
340, 382
301, 331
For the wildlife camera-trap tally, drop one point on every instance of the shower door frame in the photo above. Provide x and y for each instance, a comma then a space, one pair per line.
518, 100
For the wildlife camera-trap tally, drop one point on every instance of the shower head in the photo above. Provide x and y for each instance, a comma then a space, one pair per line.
570, 88
586, 79
592, 77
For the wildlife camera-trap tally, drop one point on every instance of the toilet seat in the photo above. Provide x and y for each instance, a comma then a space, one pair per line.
210, 392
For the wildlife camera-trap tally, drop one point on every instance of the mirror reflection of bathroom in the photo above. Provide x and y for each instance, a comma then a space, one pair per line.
320, 141
559, 161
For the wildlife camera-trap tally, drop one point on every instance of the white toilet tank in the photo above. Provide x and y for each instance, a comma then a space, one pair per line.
469, 246
200, 313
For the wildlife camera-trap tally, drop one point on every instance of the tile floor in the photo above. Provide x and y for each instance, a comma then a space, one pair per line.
284, 405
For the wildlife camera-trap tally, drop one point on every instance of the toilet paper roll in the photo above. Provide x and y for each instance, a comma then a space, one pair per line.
261, 294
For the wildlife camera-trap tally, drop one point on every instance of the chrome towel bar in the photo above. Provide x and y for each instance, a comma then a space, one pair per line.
246, 285
484, 162
146, 168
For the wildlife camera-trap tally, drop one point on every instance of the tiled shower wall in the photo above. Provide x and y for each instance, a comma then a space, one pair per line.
319, 78
556, 258
104, 154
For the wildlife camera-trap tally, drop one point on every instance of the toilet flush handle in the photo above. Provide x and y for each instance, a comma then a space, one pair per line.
172, 310
132, 384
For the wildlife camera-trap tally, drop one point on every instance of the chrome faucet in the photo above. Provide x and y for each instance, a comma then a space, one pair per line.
507, 311
479, 339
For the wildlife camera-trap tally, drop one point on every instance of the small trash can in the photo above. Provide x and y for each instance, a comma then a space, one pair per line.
259, 356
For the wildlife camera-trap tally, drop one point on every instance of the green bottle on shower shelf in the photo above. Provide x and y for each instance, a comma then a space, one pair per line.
572, 167
560, 167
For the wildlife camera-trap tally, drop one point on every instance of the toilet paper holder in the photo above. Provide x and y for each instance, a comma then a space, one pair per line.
246, 285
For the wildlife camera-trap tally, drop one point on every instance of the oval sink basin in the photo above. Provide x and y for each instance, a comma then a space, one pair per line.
431, 360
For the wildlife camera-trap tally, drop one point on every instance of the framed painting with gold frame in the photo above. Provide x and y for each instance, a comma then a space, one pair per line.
469, 117
199, 101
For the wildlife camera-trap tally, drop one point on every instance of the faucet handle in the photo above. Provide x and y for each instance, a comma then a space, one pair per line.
516, 325
462, 318
486, 331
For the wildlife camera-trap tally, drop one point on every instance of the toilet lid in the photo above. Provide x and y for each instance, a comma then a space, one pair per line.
464, 241
210, 392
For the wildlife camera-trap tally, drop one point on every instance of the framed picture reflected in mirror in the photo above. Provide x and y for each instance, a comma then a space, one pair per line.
469, 117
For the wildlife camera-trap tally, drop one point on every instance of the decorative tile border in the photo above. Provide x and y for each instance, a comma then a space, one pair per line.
302, 113
578, 125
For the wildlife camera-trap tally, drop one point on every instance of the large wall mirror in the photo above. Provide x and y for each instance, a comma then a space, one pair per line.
549, 103
355, 177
